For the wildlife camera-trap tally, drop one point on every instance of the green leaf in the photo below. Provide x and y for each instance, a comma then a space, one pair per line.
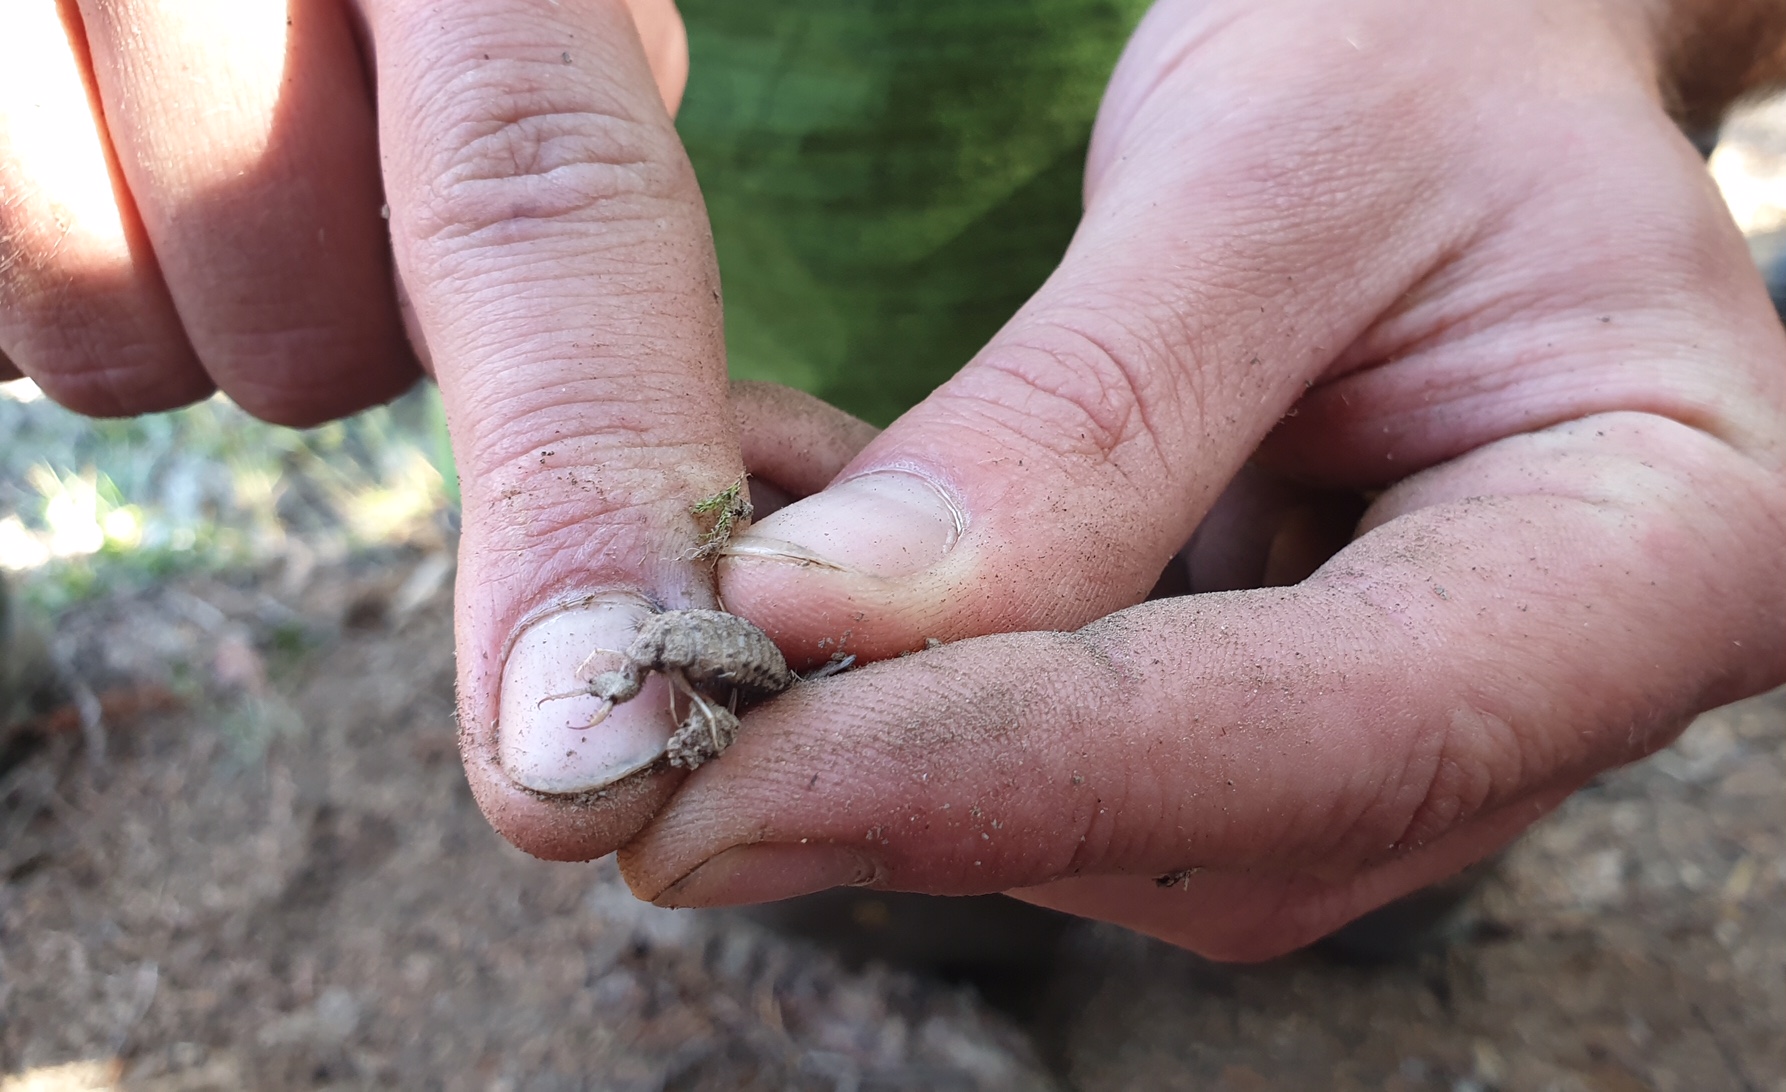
888, 180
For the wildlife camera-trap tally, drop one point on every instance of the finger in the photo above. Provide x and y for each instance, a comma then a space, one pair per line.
245, 130
1266, 531
1247, 917
554, 247
83, 309
793, 444
1521, 627
665, 40
792, 440
1212, 278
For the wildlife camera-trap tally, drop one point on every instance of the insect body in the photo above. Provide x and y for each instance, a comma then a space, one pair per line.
712, 648
704, 654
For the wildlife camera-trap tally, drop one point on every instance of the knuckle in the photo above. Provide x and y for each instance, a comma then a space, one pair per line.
1085, 388
584, 502
519, 155
547, 525
521, 436
1478, 762
92, 340
292, 408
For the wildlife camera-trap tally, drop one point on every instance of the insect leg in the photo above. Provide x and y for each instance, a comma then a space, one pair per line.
680, 682
835, 665
592, 655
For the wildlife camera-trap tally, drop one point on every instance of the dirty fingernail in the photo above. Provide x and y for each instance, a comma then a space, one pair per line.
544, 738
885, 524
767, 872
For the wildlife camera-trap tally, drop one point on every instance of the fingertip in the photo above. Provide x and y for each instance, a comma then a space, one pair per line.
558, 781
793, 445
851, 569
553, 780
575, 827
815, 612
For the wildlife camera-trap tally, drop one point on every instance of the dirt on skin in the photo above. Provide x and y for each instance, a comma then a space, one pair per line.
276, 878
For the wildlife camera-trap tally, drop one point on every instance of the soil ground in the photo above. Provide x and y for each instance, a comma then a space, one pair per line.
274, 877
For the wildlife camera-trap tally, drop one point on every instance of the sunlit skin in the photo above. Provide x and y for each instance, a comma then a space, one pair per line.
1456, 259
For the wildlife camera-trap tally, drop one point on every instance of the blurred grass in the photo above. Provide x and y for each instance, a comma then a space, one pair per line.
88, 506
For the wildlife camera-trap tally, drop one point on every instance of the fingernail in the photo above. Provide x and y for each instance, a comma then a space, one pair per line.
767, 872
885, 524
542, 739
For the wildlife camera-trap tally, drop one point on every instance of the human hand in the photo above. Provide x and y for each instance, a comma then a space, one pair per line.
222, 227
1456, 258
193, 199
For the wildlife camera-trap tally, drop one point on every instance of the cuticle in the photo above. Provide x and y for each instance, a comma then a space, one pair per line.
566, 604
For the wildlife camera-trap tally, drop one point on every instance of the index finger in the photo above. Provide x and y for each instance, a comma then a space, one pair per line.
553, 243
1540, 610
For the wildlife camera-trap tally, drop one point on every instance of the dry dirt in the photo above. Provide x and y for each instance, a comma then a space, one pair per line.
276, 878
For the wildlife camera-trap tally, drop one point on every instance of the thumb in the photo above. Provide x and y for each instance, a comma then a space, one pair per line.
1051, 480
554, 244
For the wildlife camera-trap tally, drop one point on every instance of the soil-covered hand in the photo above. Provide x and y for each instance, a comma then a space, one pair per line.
191, 196
1453, 258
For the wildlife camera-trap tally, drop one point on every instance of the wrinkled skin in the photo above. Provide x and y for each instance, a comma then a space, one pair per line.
1455, 259
1455, 254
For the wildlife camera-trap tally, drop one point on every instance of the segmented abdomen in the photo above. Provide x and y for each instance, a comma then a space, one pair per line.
711, 648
